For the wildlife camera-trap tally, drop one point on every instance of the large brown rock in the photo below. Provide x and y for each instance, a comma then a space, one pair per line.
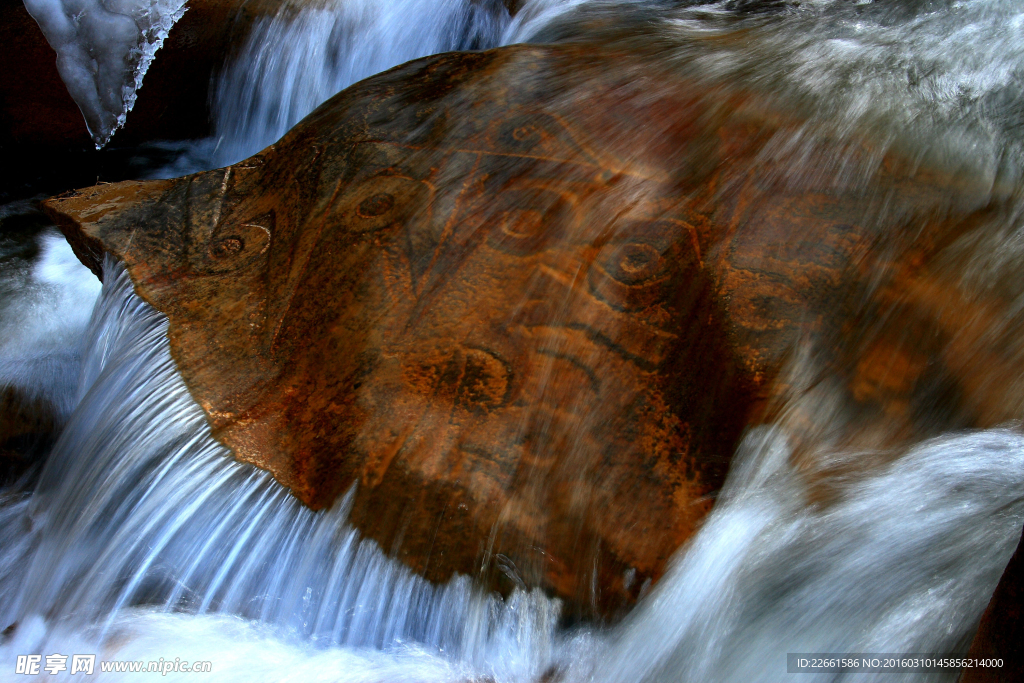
529, 298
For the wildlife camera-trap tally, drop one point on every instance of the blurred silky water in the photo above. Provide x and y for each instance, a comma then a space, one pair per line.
130, 533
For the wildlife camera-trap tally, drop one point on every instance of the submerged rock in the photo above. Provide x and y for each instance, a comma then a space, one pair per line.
28, 427
529, 298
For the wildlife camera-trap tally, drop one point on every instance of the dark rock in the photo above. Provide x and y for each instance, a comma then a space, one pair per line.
1001, 634
28, 428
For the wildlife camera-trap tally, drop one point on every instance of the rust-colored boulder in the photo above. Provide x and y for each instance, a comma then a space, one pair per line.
529, 298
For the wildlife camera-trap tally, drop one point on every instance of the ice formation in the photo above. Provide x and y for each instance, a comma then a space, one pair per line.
104, 48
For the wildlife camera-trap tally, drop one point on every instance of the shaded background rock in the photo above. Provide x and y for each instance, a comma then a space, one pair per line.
43, 130
28, 428
172, 104
1001, 633
37, 109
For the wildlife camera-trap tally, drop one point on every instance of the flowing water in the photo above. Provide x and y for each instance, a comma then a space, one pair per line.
143, 539
297, 59
139, 538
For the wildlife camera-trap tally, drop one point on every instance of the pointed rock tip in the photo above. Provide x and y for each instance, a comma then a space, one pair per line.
81, 214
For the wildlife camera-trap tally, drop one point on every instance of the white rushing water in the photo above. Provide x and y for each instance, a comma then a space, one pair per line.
44, 312
144, 539
905, 562
138, 505
944, 77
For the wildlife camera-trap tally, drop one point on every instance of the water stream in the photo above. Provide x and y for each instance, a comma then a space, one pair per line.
140, 538
144, 539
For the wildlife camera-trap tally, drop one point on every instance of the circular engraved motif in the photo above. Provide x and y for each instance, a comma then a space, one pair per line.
484, 381
376, 205
227, 247
529, 219
523, 132
520, 135
637, 269
636, 263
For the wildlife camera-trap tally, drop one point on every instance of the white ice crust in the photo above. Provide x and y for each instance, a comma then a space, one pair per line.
104, 48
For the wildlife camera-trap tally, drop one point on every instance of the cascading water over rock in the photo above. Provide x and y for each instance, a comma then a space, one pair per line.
137, 505
295, 61
143, 538
44, 310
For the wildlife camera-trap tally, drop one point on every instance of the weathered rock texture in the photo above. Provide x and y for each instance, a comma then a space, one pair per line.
529, 298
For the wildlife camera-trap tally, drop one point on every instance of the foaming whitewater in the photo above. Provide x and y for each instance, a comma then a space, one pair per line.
144, 539
940, 80
43, 317
104, 48
943, 79
904, 562
294, 61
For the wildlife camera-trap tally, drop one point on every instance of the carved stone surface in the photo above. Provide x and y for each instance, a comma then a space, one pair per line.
528, 299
